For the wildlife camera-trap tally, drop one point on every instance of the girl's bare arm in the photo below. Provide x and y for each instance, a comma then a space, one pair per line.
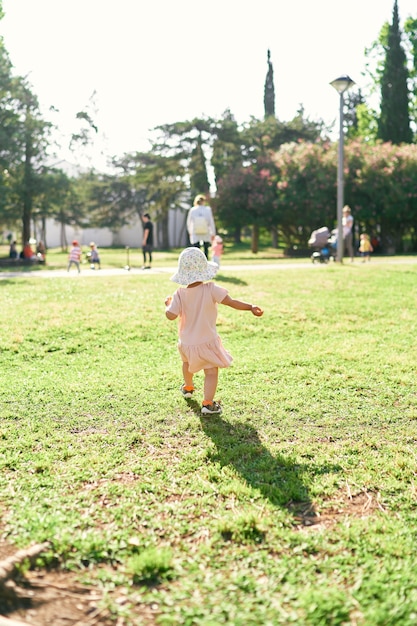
242, 306
170, 316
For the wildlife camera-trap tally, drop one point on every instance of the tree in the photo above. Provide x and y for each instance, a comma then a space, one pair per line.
351, 121
410, 29
189, 142
227, 146
245, 197
24, 137
258, 138
269, 90
10, 152
360, 120
164, 179
58, 197
83, 140
306, 189
199, 182
32, 138
394, 120
252, 146
381, 185
145, 182
366, 125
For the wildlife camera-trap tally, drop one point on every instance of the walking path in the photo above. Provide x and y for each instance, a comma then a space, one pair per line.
280, 265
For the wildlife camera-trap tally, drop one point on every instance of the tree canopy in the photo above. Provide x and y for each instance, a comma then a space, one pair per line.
263, 174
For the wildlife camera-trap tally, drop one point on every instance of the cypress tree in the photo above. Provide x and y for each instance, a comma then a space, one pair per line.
269, 91
394, 121
199, 182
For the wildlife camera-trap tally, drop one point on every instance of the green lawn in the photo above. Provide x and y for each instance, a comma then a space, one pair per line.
296, 506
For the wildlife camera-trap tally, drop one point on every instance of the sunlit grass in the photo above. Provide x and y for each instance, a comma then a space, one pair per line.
297, 505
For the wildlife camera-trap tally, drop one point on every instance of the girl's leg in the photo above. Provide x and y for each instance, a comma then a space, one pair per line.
188, 377
211, 377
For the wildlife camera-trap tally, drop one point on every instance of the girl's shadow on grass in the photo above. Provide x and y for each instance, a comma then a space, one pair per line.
280, 480
222, 278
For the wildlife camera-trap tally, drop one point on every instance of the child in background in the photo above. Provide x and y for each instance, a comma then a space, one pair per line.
217, 249
94, 256
41, 252
74, 256
195, 305
13, 250
365, 247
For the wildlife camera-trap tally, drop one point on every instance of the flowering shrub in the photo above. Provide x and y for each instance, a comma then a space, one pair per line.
296, 190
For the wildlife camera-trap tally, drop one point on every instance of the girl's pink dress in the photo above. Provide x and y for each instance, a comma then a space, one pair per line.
199, 344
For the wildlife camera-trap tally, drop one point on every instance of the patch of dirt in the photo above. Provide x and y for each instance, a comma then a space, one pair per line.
56, 598
344, 506
52, 598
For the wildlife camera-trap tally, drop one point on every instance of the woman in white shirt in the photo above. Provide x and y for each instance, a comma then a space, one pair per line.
200, 224
347, 232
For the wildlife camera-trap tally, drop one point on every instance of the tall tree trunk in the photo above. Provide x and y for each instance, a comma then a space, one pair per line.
237, 234
27, 190
64, 242
255, 238
163, 224
274, 237
43, 231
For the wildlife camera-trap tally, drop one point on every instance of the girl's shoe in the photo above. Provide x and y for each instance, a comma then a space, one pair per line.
211, 409
187, 393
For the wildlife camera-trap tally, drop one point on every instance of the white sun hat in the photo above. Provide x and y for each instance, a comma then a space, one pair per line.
193, 267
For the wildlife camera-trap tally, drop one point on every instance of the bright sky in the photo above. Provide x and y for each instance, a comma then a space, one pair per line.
153, 62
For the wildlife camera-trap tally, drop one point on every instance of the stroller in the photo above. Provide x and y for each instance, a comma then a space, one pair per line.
324, 244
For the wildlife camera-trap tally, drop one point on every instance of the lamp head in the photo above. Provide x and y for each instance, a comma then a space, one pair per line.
342, 84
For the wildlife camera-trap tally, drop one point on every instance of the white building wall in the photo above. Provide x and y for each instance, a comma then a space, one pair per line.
178, 236
130, 235
102, 236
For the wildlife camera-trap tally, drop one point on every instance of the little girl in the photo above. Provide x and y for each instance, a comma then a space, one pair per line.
199, 344
365, 247
74, 256
217, 249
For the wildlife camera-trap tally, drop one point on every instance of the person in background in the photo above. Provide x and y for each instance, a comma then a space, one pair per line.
375, 241
200, 224
41, 252
196, 305
13, 250
347, 223
94, 257
217, 249
365, 247
147, 240
74, 257
28, 252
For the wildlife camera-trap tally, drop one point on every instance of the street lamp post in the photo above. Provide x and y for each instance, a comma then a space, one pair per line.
341, 84
127, 266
